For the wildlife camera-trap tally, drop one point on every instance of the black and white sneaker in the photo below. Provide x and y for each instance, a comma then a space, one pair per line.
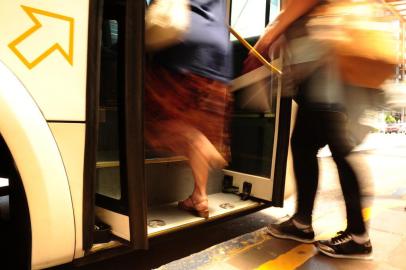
288, 230
343, 246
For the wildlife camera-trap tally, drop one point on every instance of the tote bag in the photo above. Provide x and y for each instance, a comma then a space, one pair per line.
363, 37
166, 22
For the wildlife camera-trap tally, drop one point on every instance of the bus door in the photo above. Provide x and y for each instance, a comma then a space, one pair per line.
259, 145
261, 117
119, 208
136, 211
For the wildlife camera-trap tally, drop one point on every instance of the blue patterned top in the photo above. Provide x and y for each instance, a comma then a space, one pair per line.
206, 49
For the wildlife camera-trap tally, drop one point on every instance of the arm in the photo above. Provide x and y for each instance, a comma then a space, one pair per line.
293, 10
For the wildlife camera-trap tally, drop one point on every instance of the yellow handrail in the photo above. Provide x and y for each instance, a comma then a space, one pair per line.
254, 51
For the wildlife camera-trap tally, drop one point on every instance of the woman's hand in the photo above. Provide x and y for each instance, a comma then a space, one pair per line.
262, 46
293, 10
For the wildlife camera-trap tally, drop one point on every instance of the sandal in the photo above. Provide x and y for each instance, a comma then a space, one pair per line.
195, 207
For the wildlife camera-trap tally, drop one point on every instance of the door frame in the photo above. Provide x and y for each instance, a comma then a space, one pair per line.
92, 119
132, 136
134, 123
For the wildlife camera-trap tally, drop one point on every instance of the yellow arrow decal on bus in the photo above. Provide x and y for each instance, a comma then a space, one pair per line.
26, 45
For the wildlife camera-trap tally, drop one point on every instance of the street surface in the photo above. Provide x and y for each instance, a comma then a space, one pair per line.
380, 162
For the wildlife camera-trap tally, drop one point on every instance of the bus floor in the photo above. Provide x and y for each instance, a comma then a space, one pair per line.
243, 243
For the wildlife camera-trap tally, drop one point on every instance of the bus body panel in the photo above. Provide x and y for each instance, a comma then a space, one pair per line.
45, 44
42, 172
70, 138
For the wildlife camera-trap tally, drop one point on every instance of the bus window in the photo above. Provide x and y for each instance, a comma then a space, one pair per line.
248, 17
274, 9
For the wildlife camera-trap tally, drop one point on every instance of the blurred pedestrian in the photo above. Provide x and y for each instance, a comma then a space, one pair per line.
322, 119
187, 98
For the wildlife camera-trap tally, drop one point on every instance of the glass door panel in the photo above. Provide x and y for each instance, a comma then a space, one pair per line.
111, 181
108, 170
258, 143
253, 128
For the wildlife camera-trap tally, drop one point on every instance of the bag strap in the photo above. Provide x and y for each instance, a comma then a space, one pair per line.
254, 51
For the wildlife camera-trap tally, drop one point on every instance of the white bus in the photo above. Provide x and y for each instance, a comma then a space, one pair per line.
76, 177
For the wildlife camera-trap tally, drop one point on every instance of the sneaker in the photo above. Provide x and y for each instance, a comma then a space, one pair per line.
343, 246
288, 230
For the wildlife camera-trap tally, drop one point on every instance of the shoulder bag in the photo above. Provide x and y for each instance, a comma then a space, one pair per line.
363, 37
166, 22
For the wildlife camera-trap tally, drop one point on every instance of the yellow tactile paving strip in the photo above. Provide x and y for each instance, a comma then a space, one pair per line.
290, 260
265, 252
299, 255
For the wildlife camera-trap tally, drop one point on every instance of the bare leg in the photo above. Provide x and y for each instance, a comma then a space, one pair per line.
200, 169
202, 156
183, 139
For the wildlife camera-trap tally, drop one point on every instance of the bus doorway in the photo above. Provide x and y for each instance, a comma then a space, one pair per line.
136, 189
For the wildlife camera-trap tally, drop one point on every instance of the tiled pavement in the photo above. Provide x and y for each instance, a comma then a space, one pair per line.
258, 250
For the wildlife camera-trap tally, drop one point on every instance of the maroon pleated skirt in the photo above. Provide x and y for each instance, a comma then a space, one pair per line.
174, 101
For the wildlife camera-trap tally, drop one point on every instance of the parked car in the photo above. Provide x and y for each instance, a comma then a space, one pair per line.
392, 128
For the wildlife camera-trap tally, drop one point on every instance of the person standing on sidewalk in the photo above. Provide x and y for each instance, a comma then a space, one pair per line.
322, 119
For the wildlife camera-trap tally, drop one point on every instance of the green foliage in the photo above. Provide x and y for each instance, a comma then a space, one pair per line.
389, 119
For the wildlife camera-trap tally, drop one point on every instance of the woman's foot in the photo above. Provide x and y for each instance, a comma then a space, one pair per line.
198, 206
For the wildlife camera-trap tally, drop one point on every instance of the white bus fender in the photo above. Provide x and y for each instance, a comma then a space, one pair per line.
42, 172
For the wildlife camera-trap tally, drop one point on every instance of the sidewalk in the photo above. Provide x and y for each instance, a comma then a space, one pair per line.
384, 208
258, 250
